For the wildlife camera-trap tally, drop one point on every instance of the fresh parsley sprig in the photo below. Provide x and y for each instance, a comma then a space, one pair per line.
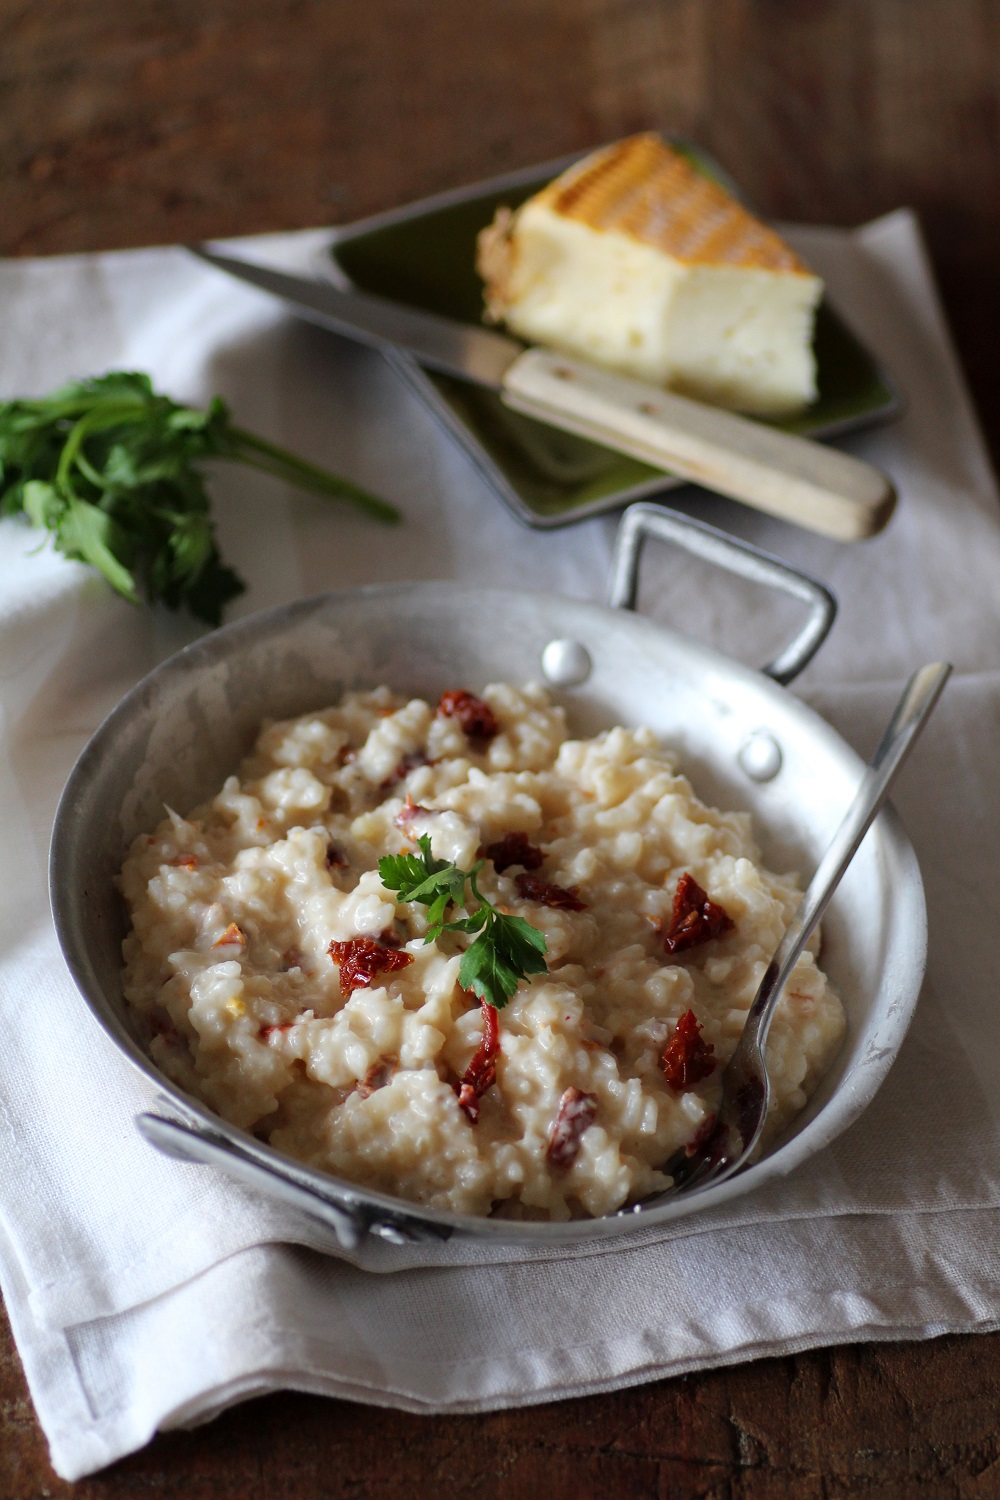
110, 468
507, 949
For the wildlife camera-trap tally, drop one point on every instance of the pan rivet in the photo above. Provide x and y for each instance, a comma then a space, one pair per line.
391, 1234
760, 756
566, 663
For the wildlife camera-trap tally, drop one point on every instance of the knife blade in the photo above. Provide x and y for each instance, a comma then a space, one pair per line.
799, 480
476, 354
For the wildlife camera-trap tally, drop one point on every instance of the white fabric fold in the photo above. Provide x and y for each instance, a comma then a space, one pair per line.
145, 1293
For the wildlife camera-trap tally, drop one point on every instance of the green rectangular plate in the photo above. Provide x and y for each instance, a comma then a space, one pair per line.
424, 255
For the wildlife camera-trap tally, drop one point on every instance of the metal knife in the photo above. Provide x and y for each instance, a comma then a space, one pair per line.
799, 480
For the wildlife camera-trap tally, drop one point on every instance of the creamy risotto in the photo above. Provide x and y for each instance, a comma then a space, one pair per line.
278, 980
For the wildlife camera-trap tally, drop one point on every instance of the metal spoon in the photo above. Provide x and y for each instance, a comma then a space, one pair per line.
745, 1086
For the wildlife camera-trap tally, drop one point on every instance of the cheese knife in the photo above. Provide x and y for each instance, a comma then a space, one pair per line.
801, 481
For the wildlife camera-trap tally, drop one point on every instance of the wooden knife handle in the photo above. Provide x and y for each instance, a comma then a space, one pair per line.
799, 480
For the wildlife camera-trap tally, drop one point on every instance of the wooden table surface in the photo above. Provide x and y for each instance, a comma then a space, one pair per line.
168, 120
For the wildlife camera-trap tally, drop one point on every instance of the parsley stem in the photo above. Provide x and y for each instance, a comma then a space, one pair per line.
110, 415
247, 447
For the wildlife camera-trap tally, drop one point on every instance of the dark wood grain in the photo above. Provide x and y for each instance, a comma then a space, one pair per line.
165, 120
174, 119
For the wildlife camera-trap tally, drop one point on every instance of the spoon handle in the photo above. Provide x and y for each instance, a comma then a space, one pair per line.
920, 695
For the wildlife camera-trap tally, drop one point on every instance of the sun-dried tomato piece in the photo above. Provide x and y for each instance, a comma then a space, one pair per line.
482, 1070
481, 1074
577, 1111
468, 1100
409, 811
267, 1032
702, 1135
561, 898
185, 861
361, 958
407, 764
695, 919
230, 938
687, 1057
335, 859
162, 1025
475, 717
378, 1075
514, 849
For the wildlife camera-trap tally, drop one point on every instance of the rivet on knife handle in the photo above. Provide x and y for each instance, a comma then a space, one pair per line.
801, 481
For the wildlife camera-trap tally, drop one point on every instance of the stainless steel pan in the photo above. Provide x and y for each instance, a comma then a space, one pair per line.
744, 740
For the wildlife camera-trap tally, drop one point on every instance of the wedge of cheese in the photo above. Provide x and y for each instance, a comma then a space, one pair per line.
634, 260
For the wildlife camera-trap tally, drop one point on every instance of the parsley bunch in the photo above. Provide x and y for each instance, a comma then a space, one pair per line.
110, 468
507, 949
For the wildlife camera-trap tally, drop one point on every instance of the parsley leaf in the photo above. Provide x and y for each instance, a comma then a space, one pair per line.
507, 949
421, 877
433, 883
111, 469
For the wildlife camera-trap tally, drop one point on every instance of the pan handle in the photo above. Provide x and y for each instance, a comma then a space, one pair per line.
350, 1222
646, 520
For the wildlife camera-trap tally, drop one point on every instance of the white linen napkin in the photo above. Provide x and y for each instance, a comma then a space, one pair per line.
144, 1293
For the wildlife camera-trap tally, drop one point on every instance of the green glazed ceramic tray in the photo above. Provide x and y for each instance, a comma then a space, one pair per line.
424, 255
